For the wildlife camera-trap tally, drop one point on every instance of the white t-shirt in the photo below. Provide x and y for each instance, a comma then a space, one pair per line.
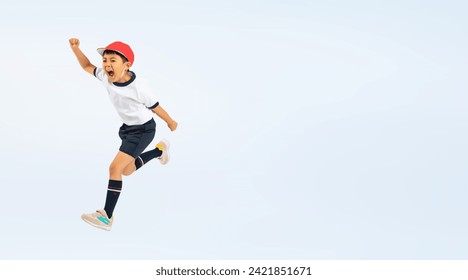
133, 100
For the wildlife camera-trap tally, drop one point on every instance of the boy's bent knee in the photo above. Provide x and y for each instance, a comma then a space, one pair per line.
115, 170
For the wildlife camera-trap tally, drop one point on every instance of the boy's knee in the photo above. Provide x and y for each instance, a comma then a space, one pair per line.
115, 169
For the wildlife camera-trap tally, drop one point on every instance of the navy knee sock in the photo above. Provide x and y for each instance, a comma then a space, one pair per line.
145, 157
113, 193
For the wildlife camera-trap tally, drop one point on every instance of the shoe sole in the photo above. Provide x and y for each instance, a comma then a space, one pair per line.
96, 226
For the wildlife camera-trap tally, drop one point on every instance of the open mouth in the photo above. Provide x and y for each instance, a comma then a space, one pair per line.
110, 73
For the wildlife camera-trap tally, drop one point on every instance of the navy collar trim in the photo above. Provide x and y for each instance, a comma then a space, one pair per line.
132, 78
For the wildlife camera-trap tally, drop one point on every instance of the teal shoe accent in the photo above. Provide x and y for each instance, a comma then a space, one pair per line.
104, 220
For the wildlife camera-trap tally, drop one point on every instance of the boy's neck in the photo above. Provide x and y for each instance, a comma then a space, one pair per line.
125, 78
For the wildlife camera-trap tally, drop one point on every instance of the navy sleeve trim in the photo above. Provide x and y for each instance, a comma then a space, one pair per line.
154, 106
94, 71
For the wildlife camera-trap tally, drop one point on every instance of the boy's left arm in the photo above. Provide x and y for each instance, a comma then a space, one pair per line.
160, 112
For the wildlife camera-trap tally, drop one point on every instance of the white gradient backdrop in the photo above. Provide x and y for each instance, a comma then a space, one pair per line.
307, 130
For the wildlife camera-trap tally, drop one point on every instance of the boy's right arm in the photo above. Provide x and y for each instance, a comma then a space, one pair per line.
82, 59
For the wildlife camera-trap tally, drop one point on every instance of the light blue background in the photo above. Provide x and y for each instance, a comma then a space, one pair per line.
307, 130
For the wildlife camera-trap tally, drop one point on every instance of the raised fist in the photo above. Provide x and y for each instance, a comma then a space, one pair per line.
74, 42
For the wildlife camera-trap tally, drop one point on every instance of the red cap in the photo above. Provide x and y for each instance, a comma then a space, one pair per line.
121, 48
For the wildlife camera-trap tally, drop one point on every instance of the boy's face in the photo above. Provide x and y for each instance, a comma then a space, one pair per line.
114, 67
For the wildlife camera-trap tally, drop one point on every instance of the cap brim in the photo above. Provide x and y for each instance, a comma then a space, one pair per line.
101, 51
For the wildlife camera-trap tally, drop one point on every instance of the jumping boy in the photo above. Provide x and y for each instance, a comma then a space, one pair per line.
135, 103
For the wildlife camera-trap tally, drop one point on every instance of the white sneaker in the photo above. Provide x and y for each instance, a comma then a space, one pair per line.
99, 219
163, 145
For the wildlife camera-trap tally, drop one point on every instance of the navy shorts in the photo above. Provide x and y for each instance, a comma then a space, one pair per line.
135, 138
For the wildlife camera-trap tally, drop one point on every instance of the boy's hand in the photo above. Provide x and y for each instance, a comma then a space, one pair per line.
74, 43
172, 125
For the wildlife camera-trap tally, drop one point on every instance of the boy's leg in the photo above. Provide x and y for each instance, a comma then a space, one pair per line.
104, 218
130, 168
161, 152
114, 188
120, 162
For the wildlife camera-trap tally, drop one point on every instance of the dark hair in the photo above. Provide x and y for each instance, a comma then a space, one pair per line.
117, 53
